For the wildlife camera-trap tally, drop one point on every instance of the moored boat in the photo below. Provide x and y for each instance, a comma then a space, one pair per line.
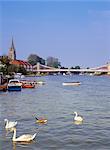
27, 81
3, 87
14, 85
40, 82
71, 83
28, 85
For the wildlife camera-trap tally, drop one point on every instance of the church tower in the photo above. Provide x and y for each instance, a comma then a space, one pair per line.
12, 52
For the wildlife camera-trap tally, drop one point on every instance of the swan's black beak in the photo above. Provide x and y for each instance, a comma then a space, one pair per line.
36, 118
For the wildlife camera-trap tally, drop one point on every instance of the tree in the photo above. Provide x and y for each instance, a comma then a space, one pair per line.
22, 70
72, 68
6, 63
77, 67
33, 59
12, 68
15, 69
4, 70
53, 62
63, 72
5, 60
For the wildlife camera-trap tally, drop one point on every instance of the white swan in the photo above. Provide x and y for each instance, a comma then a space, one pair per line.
77, 117
22, 138
10, 124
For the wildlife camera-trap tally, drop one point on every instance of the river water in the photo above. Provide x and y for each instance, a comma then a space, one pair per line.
57, 103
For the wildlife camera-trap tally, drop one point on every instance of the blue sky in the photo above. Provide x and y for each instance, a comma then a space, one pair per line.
75, 32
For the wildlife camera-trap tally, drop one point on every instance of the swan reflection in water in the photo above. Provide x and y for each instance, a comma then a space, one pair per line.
78, 122
22, 144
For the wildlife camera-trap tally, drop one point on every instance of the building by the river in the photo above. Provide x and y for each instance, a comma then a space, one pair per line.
12, 57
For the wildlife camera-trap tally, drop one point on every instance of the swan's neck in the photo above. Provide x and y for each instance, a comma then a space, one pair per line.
7, 122
76, 114
14, 134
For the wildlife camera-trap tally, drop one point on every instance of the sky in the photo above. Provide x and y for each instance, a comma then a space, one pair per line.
75, 32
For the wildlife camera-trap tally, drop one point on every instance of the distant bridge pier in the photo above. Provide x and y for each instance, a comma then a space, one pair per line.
108, 66
38, 68
68, 72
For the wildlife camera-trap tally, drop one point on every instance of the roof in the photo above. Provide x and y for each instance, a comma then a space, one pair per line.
21, 62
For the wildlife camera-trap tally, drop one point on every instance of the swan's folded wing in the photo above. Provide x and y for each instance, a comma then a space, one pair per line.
26, 137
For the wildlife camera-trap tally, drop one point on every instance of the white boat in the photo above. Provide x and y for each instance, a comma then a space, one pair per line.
14, 85
71, 83
19, 76
40, 82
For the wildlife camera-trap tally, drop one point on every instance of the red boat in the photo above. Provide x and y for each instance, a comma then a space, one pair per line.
28, 85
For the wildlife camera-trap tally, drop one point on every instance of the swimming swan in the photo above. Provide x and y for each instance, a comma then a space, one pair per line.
22, 138
10, 124
77, 117
42, 120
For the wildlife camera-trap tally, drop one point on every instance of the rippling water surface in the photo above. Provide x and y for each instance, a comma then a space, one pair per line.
57, 103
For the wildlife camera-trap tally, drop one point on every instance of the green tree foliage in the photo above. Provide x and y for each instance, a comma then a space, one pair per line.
4, 70
6, 63
5, 60
53, 62
22, 70
8, 68
72, 68
63, 68
77, 67
12, 68
15, 69
33, 59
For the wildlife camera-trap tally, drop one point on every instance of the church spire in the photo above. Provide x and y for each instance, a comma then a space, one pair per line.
12, 44
12, 51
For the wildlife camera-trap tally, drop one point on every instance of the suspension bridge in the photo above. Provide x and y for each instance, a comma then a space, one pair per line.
39, 68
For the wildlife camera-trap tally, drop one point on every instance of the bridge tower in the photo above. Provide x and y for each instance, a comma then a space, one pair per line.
108, 66
38, 67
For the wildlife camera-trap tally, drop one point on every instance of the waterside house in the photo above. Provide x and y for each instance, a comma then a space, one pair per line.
22, 63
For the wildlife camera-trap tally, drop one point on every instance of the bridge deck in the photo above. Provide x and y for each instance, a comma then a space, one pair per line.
70, 70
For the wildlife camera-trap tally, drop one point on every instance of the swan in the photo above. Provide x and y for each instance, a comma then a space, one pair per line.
10, 124
77, 117
42, 120
22, 138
